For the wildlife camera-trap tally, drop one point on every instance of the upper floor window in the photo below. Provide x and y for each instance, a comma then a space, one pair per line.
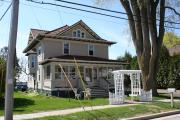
91, 49
78, 33
39, 51
66, 48
33, 62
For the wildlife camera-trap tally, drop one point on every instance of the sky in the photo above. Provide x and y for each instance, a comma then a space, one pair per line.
48, 17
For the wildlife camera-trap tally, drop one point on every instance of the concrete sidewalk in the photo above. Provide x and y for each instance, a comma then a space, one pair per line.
63, 112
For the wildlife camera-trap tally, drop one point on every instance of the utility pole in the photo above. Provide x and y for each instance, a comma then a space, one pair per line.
11, 61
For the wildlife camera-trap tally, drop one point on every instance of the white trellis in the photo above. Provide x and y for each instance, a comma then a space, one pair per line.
118, 96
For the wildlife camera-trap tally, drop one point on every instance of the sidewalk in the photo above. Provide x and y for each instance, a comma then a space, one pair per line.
63, 112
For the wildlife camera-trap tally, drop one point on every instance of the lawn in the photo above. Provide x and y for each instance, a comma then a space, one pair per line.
116, 113
31, 102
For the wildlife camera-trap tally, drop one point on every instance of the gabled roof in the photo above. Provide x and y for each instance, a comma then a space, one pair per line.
36, 35
87, 28
58, 30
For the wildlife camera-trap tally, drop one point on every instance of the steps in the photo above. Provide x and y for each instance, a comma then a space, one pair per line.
97, 92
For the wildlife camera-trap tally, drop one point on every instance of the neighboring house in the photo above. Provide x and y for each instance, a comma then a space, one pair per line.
174, 50
47, 50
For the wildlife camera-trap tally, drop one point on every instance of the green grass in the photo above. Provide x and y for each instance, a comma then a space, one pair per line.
30, 102
116, 113
121, 112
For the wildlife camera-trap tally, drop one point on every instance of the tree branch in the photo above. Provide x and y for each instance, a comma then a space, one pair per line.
126, 6
161, 23
174, 10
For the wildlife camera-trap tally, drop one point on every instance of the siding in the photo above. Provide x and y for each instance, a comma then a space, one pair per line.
54, 48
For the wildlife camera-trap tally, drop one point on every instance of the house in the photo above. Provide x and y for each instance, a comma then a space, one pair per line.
47, 50
175, 50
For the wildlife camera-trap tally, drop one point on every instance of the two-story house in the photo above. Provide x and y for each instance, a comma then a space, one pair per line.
47, 50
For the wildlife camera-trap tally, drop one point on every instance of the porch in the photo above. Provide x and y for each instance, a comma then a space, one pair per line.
93, 75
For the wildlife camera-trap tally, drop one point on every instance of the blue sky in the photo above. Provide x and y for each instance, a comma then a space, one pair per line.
49, 17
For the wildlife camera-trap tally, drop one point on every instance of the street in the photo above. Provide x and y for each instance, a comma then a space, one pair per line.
172, 117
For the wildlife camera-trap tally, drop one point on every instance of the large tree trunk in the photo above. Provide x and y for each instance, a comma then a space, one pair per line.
147, 41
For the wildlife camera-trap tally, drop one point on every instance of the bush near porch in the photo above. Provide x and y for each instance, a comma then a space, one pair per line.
32, 102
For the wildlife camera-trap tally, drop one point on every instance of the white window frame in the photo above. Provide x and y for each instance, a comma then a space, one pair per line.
63, 48
89, 49
77, 33
73, 33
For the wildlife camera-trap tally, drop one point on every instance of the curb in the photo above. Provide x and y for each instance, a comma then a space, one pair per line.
152, 116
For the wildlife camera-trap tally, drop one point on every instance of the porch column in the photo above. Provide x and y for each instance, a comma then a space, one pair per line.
52, 76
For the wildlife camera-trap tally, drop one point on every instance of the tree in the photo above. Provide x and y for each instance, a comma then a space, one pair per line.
2, 77
127, 57
171, 39
174, 72
147, 25
164, 67
3, 59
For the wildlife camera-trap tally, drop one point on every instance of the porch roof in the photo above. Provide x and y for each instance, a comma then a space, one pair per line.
83, 59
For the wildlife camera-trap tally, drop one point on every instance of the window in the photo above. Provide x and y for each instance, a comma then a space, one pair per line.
57, 72
78, 33
82, 35
72, 72
33, 62
91, 49
48, 71
39, 76
74, 33
66, 48
39, 51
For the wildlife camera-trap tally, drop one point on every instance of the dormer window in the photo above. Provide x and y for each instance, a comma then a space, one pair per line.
79, 34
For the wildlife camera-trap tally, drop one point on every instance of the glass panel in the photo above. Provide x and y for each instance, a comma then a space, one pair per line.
88, 74
91, 49
57, 72
78, 33
48, 70
82, 35
66, 48
95, 73
74, 34
72, 72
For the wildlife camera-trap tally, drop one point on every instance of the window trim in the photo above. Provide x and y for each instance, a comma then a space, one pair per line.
76, 31
89, 49
63, 48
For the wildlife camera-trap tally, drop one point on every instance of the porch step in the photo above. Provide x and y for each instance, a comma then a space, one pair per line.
97, 92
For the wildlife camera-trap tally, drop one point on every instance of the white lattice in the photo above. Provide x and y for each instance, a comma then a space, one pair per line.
146, 96
135, 84
118, 96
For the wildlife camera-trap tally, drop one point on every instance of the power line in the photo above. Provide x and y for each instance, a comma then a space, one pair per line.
45, 8
5, 11
113, 11
98, 13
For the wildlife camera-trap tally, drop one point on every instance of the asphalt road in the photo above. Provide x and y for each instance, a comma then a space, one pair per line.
171, 117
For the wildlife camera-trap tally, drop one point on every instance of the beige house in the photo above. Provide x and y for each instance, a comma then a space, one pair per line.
47, 50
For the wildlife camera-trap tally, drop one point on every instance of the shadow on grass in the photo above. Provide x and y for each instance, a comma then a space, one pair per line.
167, 96
18, 103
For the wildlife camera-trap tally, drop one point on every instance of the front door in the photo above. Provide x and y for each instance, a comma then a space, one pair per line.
88, 76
